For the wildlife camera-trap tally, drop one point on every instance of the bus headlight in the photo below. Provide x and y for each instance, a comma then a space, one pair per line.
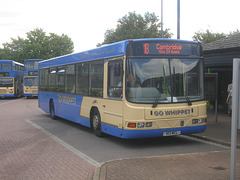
140, 125
194, 121
148, 124
201, 120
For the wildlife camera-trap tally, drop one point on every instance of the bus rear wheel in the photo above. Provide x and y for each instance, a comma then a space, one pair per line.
52, 110
96, 123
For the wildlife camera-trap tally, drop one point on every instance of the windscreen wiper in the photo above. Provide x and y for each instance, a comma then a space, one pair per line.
157, 99
187, 98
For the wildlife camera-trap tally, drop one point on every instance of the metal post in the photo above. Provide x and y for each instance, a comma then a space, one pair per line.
178, 19
216, 99
161, 18
235, 107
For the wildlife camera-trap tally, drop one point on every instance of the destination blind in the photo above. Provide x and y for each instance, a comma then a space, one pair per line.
163, 48
4, 74
32, 73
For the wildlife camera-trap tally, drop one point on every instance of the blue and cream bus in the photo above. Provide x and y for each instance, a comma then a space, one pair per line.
130, 89
11, 78
30, 78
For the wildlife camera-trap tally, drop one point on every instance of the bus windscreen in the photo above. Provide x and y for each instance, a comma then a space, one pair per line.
6, 82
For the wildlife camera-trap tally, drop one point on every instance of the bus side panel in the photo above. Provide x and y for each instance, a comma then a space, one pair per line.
66, 106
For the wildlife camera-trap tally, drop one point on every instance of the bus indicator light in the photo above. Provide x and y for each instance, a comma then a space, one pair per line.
132, 125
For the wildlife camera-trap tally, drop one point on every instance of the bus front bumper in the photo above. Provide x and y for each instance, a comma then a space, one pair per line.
135, 134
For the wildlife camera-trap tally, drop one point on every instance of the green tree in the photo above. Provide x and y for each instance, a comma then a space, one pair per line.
208, 36
37, 45
234, 32
59, 45
13, 50
135, 26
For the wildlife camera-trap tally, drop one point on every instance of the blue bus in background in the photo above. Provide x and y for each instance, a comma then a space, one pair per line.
11, 78
30, 77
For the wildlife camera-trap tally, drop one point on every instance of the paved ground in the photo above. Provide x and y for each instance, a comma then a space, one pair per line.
28, 153
202, 166
206, 166
219, 130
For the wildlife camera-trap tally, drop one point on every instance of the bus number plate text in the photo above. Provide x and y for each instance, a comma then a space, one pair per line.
171, 133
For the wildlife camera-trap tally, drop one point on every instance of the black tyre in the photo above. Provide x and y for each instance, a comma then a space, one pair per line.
96, 123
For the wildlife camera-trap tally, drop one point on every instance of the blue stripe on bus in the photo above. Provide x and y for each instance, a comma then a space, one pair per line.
8, 95
30, 94
133, 134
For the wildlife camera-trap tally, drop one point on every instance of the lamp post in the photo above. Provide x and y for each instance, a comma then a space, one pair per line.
178, 19
161, 18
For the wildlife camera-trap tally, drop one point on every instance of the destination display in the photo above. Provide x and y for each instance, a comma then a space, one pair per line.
164, 48
33, 73
4, 74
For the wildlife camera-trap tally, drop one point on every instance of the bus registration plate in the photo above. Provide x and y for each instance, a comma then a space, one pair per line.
171, 133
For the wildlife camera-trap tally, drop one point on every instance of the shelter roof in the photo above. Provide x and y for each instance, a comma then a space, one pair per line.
231, 41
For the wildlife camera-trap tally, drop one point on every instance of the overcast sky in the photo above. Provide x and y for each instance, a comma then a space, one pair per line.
86, 21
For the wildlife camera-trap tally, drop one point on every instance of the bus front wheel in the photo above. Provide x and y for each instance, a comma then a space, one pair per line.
52, 110
96, 123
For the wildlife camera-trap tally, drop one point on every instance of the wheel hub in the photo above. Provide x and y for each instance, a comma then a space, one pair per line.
95, 122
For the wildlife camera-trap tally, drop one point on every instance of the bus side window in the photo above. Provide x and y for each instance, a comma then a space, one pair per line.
82, 78
61, 79
96, 69
70, 79
115, 78
52, 79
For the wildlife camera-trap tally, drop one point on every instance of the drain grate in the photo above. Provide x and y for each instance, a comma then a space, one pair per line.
219, 168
